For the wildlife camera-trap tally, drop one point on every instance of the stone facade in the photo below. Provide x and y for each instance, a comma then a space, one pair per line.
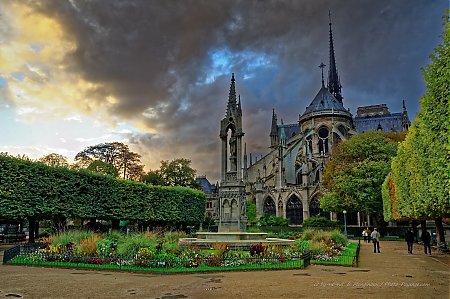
378, 118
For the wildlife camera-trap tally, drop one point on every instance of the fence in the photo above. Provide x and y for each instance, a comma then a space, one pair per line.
168, 264
344, 259
16, 250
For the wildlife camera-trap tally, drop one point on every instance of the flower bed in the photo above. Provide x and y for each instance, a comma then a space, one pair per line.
160, 252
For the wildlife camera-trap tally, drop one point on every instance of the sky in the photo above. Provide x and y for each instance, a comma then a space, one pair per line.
155, 74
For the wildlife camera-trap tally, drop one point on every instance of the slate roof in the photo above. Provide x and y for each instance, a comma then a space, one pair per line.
324, 100
207, 187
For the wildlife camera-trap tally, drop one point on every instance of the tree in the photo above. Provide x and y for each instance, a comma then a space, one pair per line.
356, 171
177, 172
418, 186
125, 162
103, 168
54, 160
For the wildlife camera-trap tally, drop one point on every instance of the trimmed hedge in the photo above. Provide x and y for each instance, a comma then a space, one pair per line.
32, 189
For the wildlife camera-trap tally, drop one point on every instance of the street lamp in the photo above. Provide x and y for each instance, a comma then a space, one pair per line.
345, 222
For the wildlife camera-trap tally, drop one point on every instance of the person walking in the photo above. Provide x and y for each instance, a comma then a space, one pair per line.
364, 234
376, 240
409, 238
369, 235
426, 239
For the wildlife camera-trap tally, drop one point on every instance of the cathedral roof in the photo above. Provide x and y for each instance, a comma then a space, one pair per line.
324, 100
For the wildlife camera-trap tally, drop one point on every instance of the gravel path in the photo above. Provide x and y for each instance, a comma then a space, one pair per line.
393, 273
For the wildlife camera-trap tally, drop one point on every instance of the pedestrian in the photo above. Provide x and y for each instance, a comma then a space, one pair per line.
376, 240
409, 238
369, 235
426, 239
364, 234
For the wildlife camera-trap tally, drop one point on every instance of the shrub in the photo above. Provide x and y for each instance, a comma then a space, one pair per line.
338, 237
73, 236
300, 246
318, 248
220, 248
89, 245
308, 234
321, 236
273, 221
173, 237
319, 221
130, 245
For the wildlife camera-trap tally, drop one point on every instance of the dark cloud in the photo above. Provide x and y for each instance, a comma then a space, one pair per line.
157, 59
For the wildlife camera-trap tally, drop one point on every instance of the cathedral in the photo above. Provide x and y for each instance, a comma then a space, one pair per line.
286, 182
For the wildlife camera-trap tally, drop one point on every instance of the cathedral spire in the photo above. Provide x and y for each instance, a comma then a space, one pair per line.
239, 108
231, 106
274, 130
334, 86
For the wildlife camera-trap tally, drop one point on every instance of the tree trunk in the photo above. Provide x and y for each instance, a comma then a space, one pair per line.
92, 224
414, 227
36, 230
31, 229
440, 237
115, 224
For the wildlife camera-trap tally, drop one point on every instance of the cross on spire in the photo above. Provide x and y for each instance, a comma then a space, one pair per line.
321, 66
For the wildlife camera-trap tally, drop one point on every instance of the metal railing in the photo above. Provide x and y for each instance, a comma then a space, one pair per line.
169, 263
16, 250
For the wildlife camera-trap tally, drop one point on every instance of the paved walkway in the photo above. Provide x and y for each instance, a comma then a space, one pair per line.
391, 274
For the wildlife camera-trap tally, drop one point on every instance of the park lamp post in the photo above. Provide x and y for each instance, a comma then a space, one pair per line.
345, 222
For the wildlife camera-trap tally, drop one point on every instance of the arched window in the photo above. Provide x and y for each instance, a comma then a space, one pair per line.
269, 207
323, 140
226, 210
314, 209
343, 131
294, 210
336, 138
234, 209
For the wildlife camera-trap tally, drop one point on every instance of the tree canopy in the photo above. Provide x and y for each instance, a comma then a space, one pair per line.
177, 172
54, 159
356, 171
126, 163
418, 186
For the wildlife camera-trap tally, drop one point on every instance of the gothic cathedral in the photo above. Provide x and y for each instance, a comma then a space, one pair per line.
286, 182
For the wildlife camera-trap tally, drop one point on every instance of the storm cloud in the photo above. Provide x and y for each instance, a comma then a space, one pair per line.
167, 64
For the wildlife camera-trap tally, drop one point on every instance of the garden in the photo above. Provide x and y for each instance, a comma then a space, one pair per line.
160, 251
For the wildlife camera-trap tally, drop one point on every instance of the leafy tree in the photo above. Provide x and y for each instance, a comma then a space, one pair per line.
117, 154
418, 186
103, 168
177, 172
54, 160
252, 216
356, 171
153, 178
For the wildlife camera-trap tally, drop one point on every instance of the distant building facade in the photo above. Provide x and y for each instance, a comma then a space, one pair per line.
378, 118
